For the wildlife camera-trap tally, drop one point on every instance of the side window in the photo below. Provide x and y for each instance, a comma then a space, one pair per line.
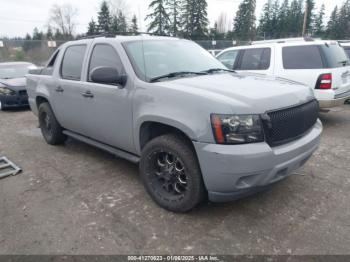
228, 58
302, 57
53, 59
72, 63
347, 50
104, 55
48, 70
255, 59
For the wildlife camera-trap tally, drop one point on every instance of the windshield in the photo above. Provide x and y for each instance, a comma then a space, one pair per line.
14, 71
155, 58
335, 55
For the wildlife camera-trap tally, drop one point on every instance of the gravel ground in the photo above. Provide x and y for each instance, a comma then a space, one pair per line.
76, 199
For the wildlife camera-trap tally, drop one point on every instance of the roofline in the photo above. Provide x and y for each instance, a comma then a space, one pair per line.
284, 40
119, 34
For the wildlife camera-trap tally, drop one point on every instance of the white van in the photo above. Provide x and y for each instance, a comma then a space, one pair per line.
322, 65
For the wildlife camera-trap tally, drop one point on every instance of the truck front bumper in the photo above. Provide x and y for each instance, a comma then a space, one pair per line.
234, 171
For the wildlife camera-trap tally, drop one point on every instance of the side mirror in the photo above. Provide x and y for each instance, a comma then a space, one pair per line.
108, 75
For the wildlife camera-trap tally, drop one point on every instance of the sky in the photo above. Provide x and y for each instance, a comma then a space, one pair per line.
17, 17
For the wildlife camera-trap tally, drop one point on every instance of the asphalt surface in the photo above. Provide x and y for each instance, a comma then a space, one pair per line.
76, 199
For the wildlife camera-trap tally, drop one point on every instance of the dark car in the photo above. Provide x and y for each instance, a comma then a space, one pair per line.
13, 91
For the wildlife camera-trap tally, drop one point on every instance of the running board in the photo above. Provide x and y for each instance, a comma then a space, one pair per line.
110, 149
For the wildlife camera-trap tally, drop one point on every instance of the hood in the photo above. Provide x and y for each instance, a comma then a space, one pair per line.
15, 84
252, 93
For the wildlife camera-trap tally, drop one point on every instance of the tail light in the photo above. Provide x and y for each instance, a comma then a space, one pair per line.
324, 81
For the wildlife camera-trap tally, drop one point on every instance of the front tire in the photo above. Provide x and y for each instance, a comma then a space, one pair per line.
50, 128
170, 172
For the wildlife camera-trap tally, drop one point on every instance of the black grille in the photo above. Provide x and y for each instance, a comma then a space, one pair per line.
22, 93
289, 124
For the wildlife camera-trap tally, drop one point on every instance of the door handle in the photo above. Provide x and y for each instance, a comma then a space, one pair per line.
88, 94
59, 89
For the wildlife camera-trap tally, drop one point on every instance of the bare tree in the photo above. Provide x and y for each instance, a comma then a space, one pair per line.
222, 23
63, 18
117, 6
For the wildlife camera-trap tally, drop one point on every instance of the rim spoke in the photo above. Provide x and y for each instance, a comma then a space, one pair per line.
170, 173
182, 179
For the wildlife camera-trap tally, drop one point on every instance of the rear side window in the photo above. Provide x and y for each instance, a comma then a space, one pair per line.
302, 57
334, 55
48, 70
104, 55
72, 63
347, 50
255, 59
228, 58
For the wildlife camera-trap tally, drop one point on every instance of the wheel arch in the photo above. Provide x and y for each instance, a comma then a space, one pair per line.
152, 128
40, 99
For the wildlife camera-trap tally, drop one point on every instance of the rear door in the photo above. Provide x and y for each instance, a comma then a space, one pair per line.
256, 60
66, 88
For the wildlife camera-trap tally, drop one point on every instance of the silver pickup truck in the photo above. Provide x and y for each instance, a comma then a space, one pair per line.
197, 129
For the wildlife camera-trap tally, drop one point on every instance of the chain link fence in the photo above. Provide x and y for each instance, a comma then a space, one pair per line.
34, 51
39, 51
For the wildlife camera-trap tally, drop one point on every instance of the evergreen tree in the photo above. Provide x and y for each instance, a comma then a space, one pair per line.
201, 22
332, 26
318, 23
295, 18
283, 26
265, 28
92, 28
310, 15
159, 18
344, 21
244, 22
175, 16
49, 33
28, 44
123, 24
37, 35
187, 17
115, 28
134, 27
104, 18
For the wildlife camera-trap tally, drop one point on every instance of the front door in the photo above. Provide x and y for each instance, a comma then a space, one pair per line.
107, 108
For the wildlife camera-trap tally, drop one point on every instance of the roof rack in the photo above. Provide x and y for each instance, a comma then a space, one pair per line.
116, 34
284, 40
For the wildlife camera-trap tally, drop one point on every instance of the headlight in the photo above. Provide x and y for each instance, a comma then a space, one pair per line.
6, 91
237, 129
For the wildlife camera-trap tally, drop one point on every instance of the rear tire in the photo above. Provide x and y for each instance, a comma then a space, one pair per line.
50, 128
171, 175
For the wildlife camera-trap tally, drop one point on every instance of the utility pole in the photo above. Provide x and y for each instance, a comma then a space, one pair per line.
305, 18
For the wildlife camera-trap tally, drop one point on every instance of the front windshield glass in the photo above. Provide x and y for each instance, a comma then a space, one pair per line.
154, 58
13, 71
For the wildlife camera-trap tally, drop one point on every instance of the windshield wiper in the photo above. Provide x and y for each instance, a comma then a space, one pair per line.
176, 74
213, 70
